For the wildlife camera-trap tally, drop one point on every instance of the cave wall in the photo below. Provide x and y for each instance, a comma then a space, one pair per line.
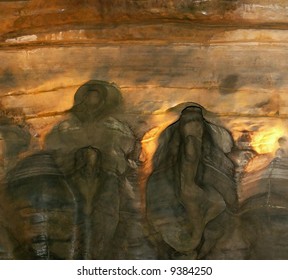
227, 56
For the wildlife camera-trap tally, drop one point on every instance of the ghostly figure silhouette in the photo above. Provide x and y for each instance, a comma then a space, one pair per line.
258, 230
105, 162
97, 194
191, 183
92, 122
43, 208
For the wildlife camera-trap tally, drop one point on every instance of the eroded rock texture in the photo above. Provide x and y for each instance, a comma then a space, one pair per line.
257, 229
192, 182
88, 195
79, 197
98, 204
104, 150
44, 209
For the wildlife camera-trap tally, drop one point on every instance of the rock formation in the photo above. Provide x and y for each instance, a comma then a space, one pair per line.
163, 123
191, 184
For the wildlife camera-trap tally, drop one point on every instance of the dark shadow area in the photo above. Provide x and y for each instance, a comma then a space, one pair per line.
229, 85
191, 184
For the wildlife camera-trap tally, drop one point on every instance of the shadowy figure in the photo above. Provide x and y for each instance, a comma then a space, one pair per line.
95, 150
42, 208
98, 199
191, 184
92, 122
93, 100
258, 230
14, 138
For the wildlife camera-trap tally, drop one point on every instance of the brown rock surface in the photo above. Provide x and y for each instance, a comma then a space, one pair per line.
161, 56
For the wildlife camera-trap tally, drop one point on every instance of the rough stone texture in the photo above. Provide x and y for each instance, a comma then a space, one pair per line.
228, 56
151, 78
158, 53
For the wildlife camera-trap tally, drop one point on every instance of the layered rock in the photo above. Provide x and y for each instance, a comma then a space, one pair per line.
163, 56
